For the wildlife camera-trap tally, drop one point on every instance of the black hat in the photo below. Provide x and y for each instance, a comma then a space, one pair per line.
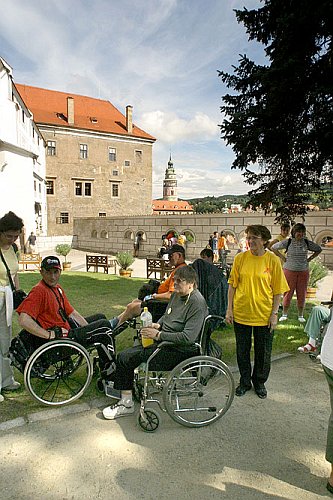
50, 262
176, 248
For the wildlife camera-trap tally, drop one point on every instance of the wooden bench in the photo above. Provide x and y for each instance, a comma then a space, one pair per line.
158, 268
103, 261
30, 259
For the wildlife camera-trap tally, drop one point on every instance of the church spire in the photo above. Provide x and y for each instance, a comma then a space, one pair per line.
170, 183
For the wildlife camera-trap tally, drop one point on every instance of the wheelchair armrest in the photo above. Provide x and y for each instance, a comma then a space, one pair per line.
120, 328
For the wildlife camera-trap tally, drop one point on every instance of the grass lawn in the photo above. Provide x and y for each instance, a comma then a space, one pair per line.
94, 292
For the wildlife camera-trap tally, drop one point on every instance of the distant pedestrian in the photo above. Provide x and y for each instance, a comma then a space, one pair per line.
136, 245
214, 246
182, 239
32, 243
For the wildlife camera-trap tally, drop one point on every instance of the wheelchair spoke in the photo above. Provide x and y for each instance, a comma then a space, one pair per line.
66, 372
199, 391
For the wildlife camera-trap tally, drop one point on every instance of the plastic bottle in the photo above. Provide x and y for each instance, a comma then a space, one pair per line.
146, 320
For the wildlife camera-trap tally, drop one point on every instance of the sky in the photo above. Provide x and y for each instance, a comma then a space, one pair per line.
160, 56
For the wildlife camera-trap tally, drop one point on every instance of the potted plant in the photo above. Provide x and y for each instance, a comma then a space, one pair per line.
317, 272
125, 259
64, 249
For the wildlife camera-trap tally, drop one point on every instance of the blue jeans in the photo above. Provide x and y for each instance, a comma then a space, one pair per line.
263, 342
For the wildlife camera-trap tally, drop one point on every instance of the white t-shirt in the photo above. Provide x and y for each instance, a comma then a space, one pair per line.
326, 354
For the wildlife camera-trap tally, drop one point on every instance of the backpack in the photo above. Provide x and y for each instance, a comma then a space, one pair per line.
289, 241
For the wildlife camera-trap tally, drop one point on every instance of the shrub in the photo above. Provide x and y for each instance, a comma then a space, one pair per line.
63, 249
317, 272
124, 259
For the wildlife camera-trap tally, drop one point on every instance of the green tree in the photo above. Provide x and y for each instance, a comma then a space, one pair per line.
279, 116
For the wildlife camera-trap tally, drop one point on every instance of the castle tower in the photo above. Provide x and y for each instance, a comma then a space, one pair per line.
170, 183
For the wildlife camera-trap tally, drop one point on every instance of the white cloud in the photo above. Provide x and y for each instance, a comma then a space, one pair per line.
170, 128
161, 56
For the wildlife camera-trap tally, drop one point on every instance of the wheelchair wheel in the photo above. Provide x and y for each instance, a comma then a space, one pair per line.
198, 391
58, 372
148, 419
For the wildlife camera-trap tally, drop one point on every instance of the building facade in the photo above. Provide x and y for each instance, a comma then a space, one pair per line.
22, 159
98, 163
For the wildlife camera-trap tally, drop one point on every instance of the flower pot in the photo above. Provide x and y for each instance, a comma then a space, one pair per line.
66, 266
125, 273
311, 293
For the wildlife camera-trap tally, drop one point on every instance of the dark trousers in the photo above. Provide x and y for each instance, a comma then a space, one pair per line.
263, 342
131, 358
95, 332
329, 445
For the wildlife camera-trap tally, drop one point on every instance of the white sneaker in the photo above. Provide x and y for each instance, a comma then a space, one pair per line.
318, 357
301, 319
1, 398
12, 387
118, 410
284, 317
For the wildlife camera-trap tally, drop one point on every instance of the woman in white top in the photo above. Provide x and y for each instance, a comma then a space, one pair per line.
327, 362
10, 229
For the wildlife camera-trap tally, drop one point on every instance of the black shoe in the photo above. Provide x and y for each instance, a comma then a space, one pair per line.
242, 389
329, 487
261, 392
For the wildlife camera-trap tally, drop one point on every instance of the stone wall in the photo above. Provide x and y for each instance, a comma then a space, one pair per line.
112, 234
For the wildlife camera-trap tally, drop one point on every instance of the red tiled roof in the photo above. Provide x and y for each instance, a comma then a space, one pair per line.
49, 107
171, 205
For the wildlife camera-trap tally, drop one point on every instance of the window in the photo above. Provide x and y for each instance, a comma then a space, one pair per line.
102, 214
49, 187
83, 151
39, 187
51, 148
82, 188
138, 156
127, 163
115, 172
35, 186
112, 154
78, 189
115, 190
63, 219
23, 115
87, 189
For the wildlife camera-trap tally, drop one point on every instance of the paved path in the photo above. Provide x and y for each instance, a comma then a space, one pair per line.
261, 449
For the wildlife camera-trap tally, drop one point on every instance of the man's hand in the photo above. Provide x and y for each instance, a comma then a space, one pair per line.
149, 332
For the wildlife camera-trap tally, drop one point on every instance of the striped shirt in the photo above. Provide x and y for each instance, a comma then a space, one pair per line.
297, 253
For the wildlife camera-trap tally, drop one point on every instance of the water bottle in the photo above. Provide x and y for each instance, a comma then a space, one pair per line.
146, 320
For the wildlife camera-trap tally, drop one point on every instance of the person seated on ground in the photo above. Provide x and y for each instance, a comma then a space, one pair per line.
47, 314
207, 254
164, 291
320, 315
181, 324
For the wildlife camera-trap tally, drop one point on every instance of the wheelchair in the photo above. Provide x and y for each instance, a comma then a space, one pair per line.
59, 371
196, 393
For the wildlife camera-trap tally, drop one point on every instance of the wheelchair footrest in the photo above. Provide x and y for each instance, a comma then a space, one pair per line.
110, 392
